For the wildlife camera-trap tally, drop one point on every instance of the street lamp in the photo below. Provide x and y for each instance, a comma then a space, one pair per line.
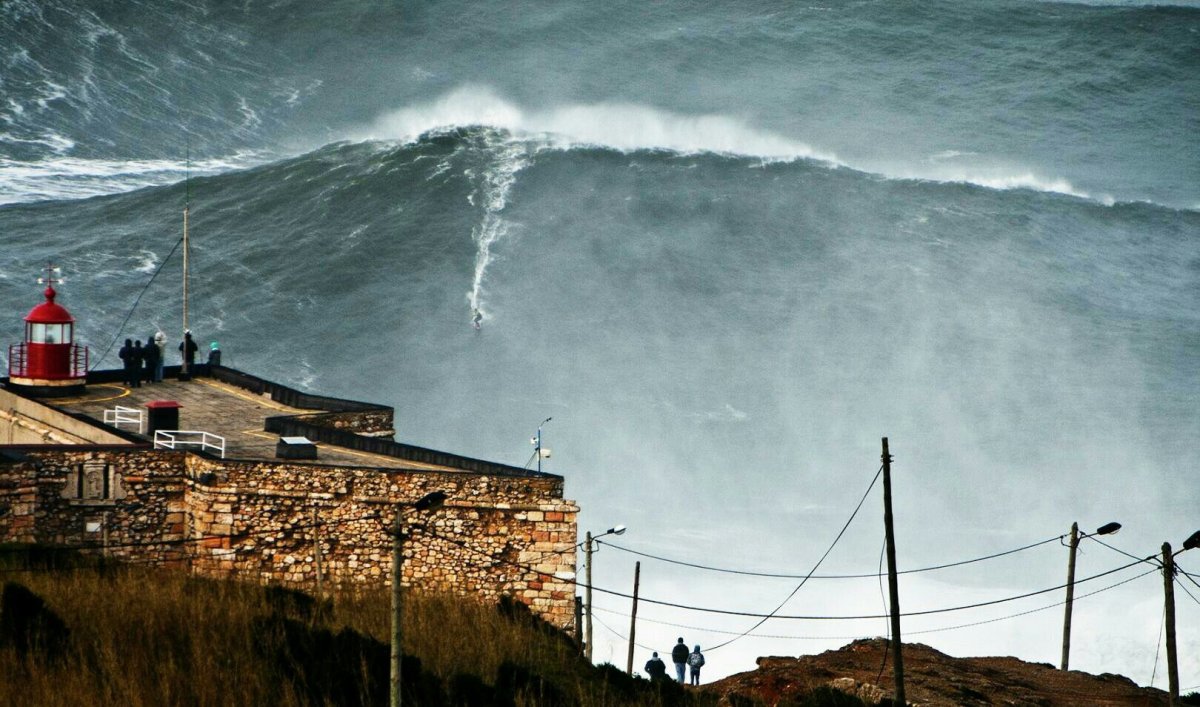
1191, 543
429, 503
618, 530
538, 451
1106, 529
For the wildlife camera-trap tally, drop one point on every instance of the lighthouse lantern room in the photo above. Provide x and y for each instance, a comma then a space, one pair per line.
48, 361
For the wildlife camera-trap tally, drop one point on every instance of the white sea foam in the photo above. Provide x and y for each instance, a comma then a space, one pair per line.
618, 126
148, 262
76, 178
947, 167
628, 127
250, 118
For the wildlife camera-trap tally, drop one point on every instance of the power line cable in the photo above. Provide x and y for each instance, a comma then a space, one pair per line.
575, 581
883, 598
940, 629
1148, 560
620, 635
1031, 611
828, 576
1188, 592
783, 603
1158, 646
730, 612
1191, 577
859, 617
137, 300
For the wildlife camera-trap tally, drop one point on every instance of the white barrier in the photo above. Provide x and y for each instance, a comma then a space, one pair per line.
171, 439
119, 415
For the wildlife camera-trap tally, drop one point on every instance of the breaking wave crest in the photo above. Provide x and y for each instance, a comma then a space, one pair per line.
632, 128
623, 127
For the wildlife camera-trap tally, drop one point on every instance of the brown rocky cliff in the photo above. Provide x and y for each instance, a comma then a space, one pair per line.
934, 679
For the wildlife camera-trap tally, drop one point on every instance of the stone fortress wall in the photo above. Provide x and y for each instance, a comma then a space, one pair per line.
297, 524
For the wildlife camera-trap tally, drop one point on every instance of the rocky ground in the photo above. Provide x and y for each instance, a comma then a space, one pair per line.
934, 679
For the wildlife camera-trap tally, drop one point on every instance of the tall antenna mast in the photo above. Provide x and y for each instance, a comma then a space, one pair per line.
184, 374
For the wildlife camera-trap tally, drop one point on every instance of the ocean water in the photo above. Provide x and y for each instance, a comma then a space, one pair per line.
725, 248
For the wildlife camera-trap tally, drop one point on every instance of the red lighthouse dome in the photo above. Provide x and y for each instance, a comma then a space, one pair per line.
49, 312
48, 361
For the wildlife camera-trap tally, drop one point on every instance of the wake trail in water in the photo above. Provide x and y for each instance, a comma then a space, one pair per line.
495, 184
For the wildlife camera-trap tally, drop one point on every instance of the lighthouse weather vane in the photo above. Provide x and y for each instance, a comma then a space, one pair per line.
51, 271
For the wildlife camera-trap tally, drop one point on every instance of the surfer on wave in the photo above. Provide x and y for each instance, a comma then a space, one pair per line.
477, 320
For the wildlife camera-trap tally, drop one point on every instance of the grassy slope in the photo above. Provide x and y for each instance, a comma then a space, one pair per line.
152, 637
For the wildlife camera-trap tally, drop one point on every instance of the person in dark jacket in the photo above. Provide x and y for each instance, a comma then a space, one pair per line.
187, 349
214, 354
695, 661
655, 668
150, 359
128, 358
138, 356
679, 656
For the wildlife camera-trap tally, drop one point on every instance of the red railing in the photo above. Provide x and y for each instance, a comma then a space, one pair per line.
16, 359
79, 361
19, 362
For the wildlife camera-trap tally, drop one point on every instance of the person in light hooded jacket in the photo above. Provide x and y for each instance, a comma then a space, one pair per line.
160, 343
695, 661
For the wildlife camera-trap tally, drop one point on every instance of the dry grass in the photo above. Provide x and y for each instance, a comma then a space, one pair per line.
143, 638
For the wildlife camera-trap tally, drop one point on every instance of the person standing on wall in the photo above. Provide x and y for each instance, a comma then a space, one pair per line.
679, 656
187, 350
695, 661
655, 668
136, 363
150, 357
127, 359
160, 343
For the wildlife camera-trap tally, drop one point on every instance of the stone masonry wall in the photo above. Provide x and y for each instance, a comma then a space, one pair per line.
276, 522
126, 503
367, 422
495, 535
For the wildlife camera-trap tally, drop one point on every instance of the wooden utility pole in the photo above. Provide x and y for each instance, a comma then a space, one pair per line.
588, 589
1066, 646
184, 373
429, 503
1169, 594
579, 622
893, 587
637, 576
397, 606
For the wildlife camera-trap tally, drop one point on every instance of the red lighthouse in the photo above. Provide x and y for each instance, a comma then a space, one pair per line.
48, 361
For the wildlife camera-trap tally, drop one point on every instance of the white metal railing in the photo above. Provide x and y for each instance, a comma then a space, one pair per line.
119, 415
171, 439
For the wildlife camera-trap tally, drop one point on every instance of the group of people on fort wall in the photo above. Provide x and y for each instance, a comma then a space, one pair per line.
657, 669
145, 363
